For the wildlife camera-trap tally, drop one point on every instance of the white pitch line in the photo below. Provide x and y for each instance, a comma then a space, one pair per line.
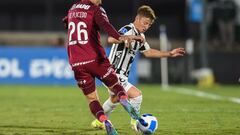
202, 94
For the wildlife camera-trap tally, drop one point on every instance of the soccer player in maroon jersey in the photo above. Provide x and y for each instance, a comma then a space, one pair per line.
88, 59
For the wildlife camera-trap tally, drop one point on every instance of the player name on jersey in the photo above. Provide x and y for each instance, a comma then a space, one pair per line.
78, 15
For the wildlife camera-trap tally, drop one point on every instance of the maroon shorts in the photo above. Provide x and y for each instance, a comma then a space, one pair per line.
86, 72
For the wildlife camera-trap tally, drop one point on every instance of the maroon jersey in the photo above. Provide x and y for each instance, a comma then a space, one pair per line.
84, 22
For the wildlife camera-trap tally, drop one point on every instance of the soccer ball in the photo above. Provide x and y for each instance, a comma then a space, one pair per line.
152, 124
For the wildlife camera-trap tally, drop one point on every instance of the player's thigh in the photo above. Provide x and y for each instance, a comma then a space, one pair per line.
106, 73
130, 89
84, 80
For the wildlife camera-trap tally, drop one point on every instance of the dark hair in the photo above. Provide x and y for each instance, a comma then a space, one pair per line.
146, 11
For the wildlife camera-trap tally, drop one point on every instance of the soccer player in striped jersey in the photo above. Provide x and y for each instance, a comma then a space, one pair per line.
121, 57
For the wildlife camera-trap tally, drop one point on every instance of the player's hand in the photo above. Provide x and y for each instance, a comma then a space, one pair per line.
137, 38
128, 39
177, 52
65, 22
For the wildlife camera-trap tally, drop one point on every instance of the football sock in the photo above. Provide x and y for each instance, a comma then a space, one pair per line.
97, 110
123, 98
103, 118
109, 106
136, 103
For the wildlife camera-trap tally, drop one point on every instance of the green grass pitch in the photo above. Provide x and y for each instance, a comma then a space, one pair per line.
63, 110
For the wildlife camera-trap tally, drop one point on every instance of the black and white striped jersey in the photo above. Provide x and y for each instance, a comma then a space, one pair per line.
122, 57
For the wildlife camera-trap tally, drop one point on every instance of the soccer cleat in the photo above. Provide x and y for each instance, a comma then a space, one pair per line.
97, 124
128, 107
109, 127
134, 124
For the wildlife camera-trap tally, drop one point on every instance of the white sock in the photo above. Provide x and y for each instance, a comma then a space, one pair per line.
136, 103
109, 106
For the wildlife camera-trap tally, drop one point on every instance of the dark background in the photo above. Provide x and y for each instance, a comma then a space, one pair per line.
46, 15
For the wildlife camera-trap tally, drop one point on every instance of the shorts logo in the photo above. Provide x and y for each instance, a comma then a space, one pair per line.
110, 70
121, 80
81, 82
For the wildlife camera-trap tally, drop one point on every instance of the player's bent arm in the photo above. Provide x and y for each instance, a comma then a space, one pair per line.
112, 40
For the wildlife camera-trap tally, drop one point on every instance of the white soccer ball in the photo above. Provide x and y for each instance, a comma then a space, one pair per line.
152, 124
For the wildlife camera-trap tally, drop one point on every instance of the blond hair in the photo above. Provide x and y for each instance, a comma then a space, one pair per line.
146, 11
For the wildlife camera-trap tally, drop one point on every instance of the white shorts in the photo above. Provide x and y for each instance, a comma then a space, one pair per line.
124, 82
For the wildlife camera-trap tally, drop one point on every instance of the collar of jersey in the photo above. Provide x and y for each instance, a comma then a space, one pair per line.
133, 26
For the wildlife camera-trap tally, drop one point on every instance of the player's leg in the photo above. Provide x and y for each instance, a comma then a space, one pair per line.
108, 76
98, 112
118, 90
111, 81
87, 84
135, 97
110, 104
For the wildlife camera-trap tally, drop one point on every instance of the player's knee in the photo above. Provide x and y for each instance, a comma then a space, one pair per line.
132, 93
138, 93
114, 99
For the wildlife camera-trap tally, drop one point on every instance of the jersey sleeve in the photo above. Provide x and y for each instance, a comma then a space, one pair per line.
145, 45
102, 21
125, 31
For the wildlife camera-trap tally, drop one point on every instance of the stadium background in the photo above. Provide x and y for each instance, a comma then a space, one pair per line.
38, 23
32, 32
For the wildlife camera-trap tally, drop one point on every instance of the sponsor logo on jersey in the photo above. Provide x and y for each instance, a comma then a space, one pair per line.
123, 30
81, 6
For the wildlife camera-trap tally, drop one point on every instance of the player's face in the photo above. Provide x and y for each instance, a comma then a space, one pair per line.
97, 2
144, 23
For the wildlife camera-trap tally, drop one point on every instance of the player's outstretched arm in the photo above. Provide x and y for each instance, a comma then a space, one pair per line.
153, 53
177, 52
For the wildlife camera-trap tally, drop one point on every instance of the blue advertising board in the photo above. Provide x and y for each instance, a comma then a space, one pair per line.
39, 65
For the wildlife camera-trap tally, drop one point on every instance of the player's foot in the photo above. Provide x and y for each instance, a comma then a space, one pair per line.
97, 124
134, 114
110, 129
134, 124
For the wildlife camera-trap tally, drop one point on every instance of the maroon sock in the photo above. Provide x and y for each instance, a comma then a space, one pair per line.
119, 91
96, 109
